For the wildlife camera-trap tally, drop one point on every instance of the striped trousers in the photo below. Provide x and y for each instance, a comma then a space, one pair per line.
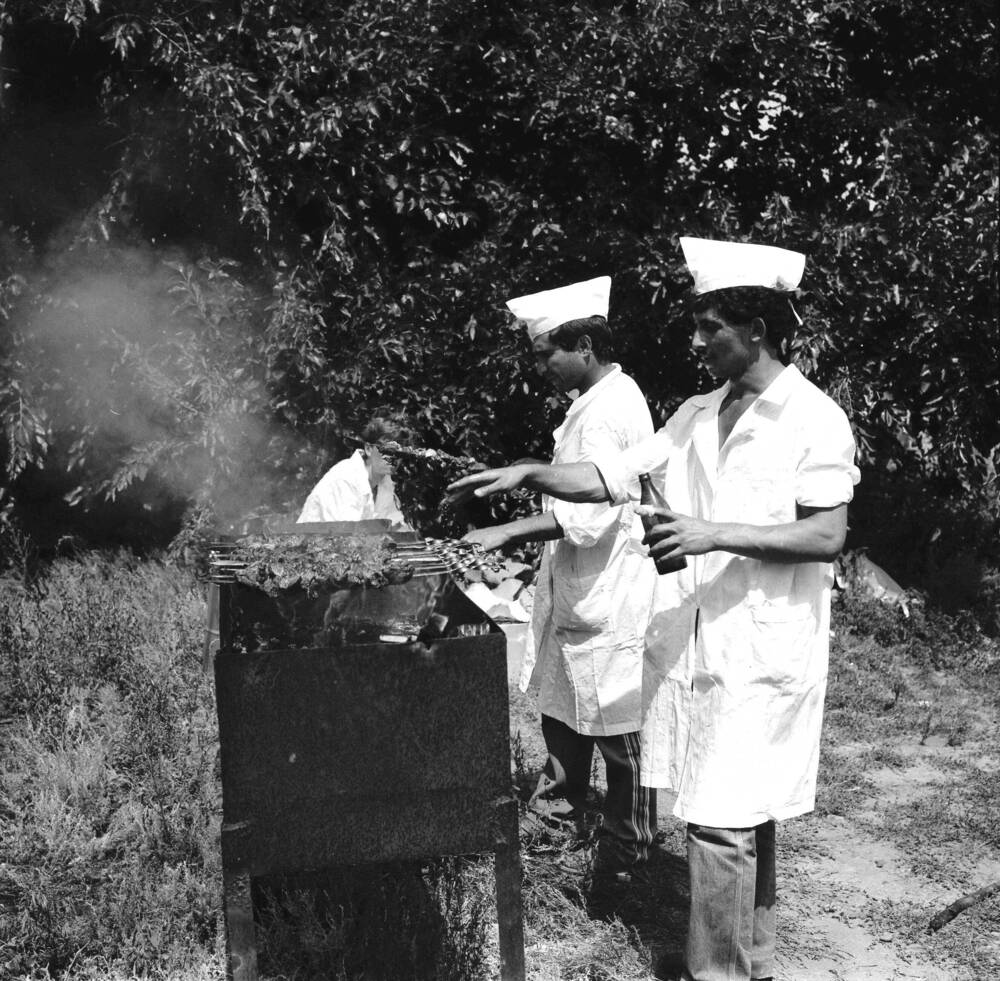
629, 815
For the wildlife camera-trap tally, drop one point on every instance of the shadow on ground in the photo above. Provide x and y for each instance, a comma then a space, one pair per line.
652, 904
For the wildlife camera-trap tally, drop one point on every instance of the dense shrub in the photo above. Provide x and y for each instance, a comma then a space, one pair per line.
922, 635
386, 173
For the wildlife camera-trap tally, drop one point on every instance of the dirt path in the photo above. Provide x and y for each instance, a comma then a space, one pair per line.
857, 888
841, 887
858, 904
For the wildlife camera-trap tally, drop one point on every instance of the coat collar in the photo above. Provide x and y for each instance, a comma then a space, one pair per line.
705, 435
581, 401
778, 392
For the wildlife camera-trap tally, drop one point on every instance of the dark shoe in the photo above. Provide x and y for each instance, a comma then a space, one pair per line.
613, 858
634, 875
623, 877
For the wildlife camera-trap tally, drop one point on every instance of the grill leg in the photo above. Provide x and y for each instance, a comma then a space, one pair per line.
241, 941
509, 919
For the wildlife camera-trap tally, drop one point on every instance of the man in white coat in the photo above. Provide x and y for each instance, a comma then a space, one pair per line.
595, 584
758, 474
359, 487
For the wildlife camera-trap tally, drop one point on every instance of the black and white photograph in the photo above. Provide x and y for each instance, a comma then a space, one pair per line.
499, 491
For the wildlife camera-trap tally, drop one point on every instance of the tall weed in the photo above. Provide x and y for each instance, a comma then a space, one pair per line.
110, 806
108, 789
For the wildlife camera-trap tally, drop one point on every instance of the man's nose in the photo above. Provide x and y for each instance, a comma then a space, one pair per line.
697, 341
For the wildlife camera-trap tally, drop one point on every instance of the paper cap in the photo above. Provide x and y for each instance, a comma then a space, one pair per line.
719, 265
542, 312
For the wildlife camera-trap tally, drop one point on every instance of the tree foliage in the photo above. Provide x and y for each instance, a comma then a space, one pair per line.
399, 168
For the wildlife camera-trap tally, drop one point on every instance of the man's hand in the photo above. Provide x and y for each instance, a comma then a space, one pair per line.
485, 483
675, 534
816, 535
490, 538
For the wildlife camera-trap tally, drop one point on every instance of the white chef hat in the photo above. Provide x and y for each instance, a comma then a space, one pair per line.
545, 311
718, 265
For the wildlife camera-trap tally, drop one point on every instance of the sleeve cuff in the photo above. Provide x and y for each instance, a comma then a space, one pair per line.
584, 525
827, 487
618, 480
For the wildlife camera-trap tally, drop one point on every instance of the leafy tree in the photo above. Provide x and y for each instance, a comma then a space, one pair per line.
387, 172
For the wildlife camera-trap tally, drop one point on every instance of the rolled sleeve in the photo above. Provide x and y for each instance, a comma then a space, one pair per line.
620, 470
827, 474
584, 525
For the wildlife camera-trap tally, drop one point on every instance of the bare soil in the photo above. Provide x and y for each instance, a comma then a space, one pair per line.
905, 824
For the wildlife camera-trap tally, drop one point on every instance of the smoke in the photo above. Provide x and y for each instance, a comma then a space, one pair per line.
151, 369
143, 368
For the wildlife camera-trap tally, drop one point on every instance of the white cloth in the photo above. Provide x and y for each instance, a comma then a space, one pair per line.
719, 265
732, 712
344, 493
595, 586
542, 312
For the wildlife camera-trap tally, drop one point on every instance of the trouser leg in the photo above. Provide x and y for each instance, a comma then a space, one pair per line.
568, 765
629, 824
764, 915
731, 925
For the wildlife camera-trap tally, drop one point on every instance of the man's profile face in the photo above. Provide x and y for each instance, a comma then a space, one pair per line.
562, 369
723, 348
377, 465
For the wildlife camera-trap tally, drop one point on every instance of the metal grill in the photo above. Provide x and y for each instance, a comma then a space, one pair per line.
423, 557
362, 725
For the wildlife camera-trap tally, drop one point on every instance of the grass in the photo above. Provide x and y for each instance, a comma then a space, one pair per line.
108, 789
110, 805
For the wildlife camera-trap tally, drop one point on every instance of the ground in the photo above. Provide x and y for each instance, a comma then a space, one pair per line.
903, 827
110, 803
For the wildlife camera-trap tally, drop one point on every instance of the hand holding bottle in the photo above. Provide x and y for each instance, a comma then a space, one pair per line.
670, 536
652, 508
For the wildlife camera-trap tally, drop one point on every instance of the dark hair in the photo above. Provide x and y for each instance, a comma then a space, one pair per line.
385, 429
567, 335
741, 304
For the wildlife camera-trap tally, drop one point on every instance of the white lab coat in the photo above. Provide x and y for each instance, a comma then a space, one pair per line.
732, 710
345, 494
595, 585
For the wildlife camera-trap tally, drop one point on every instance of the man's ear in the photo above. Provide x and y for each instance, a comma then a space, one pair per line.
758, 329
584, 345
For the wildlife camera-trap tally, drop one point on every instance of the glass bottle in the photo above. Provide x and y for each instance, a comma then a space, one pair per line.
651, 497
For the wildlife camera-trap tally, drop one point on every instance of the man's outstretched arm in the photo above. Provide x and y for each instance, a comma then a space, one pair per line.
580, 483
536, 528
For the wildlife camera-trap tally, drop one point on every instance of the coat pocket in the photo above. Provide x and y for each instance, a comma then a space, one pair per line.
783, 648
581, 588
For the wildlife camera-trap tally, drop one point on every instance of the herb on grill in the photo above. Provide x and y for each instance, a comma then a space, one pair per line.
279, 563
452, 466
420, 477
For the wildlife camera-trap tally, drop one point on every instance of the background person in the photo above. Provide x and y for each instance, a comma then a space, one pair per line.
360, 487
595, 583
355, 489
759, 474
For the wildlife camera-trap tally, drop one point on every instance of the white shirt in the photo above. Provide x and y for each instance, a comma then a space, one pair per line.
596, 584
344, 493
732, 710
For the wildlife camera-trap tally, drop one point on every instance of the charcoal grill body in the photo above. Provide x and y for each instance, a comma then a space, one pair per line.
362, 751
